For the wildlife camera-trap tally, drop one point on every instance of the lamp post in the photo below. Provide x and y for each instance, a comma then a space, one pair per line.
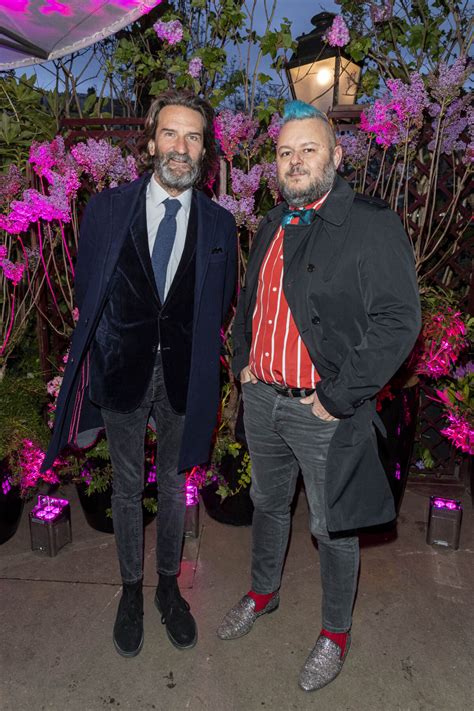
320, 74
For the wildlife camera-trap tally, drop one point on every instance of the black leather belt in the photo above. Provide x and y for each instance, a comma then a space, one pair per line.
291, 392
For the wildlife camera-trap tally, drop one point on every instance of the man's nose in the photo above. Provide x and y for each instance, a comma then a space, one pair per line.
296, 158
180, 144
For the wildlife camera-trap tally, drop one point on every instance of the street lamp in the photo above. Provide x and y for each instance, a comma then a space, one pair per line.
320, 74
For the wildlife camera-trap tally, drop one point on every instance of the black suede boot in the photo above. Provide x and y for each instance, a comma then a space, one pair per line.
128, 628
180, 625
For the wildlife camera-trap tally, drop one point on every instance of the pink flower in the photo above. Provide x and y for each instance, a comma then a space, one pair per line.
338, 34
243, 210
398, 116
234, 130
246, 184
12, 272
104, 162
171, 32
274, 127
381, 13
195, 67
54, 385
460, 432
11, 183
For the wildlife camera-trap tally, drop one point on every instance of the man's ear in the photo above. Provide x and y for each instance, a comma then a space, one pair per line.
337, 156
151, 147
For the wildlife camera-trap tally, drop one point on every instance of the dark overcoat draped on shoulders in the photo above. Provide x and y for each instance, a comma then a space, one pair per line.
104, 229
350, 282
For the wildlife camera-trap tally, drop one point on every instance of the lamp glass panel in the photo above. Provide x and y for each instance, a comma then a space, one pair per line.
314, 83
348, 82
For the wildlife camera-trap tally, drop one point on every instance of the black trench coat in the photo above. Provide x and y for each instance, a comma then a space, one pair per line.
350, 282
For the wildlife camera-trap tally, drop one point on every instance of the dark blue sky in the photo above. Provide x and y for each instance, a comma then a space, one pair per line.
299, 12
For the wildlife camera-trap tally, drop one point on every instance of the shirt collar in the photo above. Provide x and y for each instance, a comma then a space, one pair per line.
158, 195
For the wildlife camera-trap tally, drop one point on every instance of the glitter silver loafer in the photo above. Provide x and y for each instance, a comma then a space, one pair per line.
323, 664
240, 619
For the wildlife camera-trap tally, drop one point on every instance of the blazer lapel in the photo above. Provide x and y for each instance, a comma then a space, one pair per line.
139, 232
123, 205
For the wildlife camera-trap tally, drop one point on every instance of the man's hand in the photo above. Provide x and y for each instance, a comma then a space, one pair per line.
246, 376
316, 407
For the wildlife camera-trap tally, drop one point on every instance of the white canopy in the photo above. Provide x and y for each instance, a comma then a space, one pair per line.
33, 31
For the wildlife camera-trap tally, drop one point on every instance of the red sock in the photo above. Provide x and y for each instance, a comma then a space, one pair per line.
340, 638
261, 601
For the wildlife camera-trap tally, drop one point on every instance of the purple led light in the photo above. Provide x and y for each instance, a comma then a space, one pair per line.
450, 504
48, 508
191, 494
6, 486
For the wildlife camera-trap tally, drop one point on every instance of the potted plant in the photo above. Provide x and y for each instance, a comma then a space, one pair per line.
22, 431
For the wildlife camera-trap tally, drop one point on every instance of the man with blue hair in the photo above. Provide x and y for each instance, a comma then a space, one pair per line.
329, 312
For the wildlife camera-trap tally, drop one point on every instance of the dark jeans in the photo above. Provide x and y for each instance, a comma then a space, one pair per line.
284, 437
126, 437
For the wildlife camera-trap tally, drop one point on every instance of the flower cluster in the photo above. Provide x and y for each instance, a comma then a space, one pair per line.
381, 13
195, 67
30, 459
398, 116
269, 173
445, 85
460, 432
274, 127
11, 184
355, 147
171, 32
246, 184
234, 130
338, 34
48, 155
12, 272
456, 124
243, 210
104, 162
444, 336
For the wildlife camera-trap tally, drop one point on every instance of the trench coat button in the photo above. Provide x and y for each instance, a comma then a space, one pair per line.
316, 320
71, 360
310, 268
86, 321
358, 403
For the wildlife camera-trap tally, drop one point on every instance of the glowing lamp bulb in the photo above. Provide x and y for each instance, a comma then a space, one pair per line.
324, 77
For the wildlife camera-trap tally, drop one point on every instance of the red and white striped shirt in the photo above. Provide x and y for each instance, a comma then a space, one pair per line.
278, 354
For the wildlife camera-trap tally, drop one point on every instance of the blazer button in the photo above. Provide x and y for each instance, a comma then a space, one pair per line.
316, 320
310, 268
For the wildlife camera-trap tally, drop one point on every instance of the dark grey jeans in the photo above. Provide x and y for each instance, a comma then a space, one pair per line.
126, 437
284, 437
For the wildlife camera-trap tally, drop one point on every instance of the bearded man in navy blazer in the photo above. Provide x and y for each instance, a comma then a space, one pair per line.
155, 276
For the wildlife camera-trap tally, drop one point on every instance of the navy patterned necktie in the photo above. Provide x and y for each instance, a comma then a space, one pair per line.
305, 216
163, 246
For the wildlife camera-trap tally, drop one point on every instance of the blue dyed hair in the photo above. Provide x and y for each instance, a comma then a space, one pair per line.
297, 110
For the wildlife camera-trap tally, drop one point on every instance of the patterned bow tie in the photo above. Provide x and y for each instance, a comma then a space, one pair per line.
304, 216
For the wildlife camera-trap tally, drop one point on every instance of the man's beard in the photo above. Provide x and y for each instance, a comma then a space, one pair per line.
299, 197
176, 181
